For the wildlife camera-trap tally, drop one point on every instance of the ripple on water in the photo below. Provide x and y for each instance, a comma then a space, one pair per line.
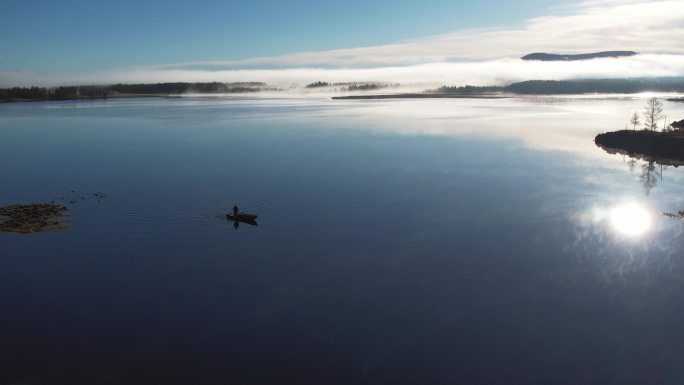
285, 206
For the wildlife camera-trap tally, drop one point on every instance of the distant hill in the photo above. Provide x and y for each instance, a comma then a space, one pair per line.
540, 56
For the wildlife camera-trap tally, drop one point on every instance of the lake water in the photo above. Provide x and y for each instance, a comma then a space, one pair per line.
398, 242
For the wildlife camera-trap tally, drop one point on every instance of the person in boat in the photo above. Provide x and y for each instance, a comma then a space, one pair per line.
235, 210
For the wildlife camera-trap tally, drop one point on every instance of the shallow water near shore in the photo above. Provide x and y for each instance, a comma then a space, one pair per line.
399, 242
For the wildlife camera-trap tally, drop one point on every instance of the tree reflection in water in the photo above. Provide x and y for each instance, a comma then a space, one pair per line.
651, 173
649, 177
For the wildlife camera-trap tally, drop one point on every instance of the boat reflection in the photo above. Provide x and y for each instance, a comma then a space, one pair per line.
242, 218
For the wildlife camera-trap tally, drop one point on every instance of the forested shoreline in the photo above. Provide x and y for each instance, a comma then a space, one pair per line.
127, 90
530, 87
571, 87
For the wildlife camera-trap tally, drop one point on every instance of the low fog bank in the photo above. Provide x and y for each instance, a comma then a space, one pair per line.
415, 77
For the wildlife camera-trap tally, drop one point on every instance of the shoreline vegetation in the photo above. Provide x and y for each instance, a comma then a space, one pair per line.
424, 96
145, 90
115, 91
367, 90
351, 86
542, 88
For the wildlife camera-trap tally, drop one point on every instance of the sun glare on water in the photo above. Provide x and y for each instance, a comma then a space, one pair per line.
630, 219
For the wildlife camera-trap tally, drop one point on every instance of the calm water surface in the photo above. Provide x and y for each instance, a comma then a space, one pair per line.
399, 242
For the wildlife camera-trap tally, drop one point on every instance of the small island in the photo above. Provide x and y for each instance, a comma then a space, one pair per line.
32, 218
665, 147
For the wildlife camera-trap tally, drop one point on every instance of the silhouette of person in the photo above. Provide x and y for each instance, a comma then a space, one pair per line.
235, 209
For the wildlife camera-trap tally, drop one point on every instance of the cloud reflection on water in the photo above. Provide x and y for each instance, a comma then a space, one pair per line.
566, 124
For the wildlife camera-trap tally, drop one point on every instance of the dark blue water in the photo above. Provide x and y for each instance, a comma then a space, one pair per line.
403, 242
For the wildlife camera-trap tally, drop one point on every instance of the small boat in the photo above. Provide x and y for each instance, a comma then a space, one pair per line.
238, 218
242, 217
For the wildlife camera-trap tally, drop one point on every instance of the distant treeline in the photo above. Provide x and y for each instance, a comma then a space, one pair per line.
532, 87
318, 85
352, 86
56, 93
468, 90
184, 88
123, 90
583, 86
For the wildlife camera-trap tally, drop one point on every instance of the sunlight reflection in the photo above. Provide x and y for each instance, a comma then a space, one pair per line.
626, 218
630, 219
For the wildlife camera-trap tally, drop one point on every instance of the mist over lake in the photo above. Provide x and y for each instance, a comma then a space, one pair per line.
469, 241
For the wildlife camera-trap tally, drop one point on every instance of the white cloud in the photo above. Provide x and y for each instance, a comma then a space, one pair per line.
489, 56
648, 27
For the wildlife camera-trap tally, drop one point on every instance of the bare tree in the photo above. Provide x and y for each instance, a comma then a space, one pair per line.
635, 120
653, 113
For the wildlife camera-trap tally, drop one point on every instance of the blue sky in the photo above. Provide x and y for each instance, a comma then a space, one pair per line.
76, 35
432, 42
